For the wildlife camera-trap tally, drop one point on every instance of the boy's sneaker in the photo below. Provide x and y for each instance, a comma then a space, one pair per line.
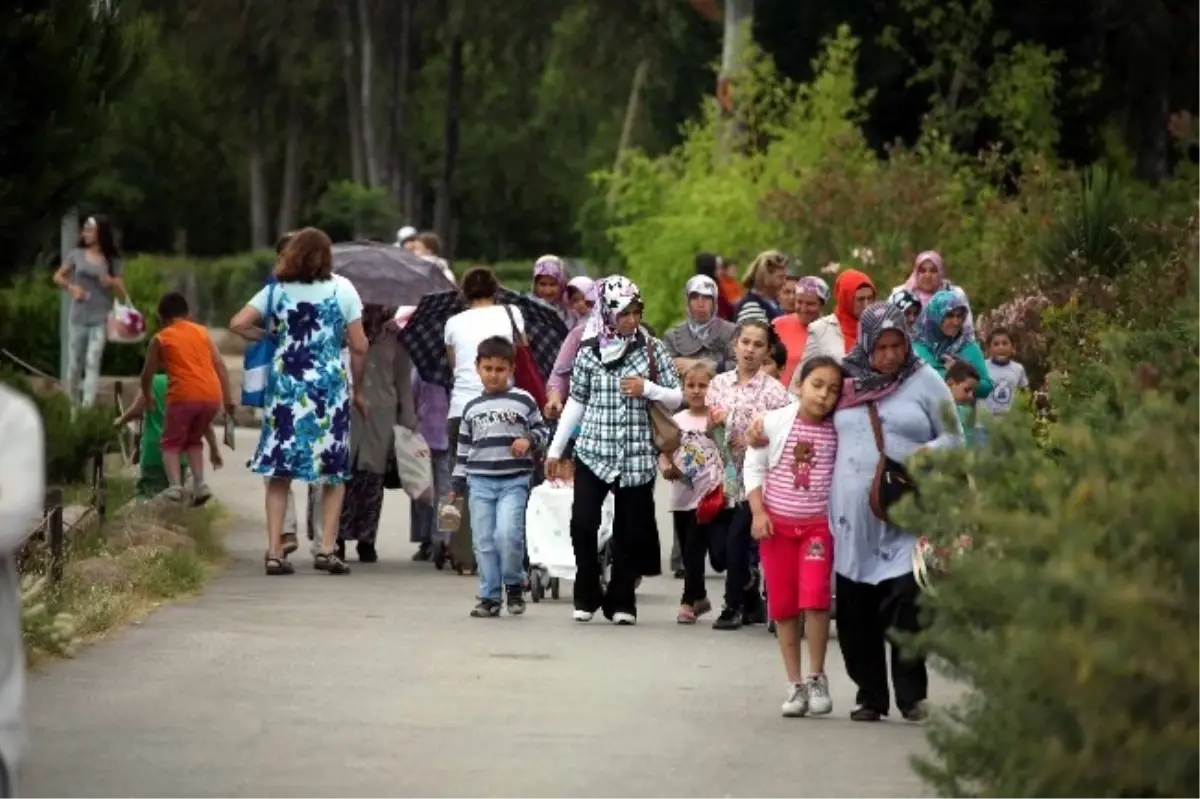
172, 494
820, 703
796, 704
515, 597
486, 608
623, 619
582, 615
201, 494
730, 619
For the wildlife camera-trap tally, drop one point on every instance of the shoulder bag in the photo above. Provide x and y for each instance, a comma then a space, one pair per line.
259, 358
525, 372
663, 428
892, 481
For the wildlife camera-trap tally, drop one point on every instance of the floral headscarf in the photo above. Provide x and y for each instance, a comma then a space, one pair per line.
815, 286
614, 295
928, 328
706, 287
552, 266
864, 383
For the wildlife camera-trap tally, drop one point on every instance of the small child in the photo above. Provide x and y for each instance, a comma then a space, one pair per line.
152, 476
499, 432
963, 380
197, 386
777, 360
788, 483
1008, 376
695, 470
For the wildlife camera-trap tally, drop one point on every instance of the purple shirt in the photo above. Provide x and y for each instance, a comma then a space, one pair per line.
560, 376
433, 407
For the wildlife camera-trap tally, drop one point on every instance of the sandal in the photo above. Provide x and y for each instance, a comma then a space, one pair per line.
290, 544
686, 615
330, 563
276, 566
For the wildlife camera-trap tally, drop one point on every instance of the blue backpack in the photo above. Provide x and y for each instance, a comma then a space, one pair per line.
256, 363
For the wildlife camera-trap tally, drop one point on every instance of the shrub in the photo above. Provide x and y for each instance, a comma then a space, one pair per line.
347, 210
1074, 619
1091, 237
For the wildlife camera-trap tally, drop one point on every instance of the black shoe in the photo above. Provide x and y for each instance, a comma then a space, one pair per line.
730, 619
864, 713
341, 549
915, 714
367, 552
679, 574
515, 599
439, 557
486, 609
423, 553
771, 629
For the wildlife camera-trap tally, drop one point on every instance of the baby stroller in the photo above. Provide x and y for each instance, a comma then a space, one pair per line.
548, 538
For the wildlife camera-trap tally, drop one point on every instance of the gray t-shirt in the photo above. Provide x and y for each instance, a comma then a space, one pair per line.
1007, 380
85, 274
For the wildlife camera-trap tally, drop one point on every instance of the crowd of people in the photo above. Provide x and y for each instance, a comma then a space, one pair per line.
780, 410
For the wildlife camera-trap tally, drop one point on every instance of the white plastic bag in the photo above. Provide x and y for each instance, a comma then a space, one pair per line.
414, 464
548, 528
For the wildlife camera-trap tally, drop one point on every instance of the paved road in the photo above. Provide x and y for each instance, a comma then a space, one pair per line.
378, 684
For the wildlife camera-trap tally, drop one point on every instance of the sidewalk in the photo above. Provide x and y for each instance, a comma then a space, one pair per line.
378, 684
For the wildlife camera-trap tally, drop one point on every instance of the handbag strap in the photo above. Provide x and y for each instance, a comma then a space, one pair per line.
653, 361
876, 426
516, 334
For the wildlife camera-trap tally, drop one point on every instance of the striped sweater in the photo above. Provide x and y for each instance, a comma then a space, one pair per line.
490, 424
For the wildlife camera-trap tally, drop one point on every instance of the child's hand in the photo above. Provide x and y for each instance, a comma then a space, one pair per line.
214, 457
760, 527
755, 433
667, 467
520, 447
717, 416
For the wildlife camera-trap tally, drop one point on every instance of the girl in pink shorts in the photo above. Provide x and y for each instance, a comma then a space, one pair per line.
787, 485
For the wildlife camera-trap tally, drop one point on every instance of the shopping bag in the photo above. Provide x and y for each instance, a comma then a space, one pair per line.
257, 361
125, 324
415, 465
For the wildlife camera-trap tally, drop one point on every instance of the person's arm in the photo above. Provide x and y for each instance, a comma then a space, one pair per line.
150, 368
357, 339
754, 468
572, 415
926, 355
248, 322
113, 281
666, 391
214, 451
937, 399
538, 432
973, 355
134, 411
458, 480
218, 362
62, 279
22, 469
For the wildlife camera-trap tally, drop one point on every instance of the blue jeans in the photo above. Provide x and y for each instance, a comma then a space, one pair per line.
497, 507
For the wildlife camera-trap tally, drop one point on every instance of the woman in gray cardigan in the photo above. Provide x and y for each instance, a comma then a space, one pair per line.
702, 335
876, 589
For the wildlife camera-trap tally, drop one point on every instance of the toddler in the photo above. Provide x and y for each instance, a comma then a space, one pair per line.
963, 380
696, 472
787, 484
197, 387
1008, 376
497, 437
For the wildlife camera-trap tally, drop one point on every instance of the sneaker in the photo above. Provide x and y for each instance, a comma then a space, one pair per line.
515, 599
486, 609
172, 494
624, 619
730, 619
702, 606
820, 703
201, 494
424, 552
916, 714
582, 615
796, 704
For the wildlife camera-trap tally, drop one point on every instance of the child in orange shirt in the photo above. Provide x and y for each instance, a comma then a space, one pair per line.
197, 386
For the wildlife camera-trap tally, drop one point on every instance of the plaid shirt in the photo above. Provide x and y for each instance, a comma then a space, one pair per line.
615, 439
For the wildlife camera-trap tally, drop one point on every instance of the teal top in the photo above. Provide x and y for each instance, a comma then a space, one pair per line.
971, 353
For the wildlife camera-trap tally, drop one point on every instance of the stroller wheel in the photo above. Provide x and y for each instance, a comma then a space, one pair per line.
554, 588
536, 592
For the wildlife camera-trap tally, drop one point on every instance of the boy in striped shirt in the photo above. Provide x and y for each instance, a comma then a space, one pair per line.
499, 432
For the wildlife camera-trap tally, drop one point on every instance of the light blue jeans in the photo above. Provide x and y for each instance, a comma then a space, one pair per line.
85, 351
497, 507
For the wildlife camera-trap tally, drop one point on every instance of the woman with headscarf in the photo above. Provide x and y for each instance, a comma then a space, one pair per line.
611, 392
876, 590
941, 337
702, 335
550, 285
729, 291
835, 334
928, 277
811, 294
763, 281
581, 293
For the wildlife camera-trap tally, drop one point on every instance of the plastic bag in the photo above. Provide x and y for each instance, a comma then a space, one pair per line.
415, 465
125, 324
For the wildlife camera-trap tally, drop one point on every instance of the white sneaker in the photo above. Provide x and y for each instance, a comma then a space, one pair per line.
820, 703
624, 619
582, 615
796, 704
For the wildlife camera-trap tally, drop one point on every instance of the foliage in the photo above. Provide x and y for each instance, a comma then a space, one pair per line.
348, 210
43, 631
1091, 237
1073, 620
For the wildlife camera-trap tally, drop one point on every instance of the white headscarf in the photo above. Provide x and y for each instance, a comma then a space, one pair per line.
706, 287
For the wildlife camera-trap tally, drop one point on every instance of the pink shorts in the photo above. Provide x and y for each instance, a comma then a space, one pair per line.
797, 564
186, 424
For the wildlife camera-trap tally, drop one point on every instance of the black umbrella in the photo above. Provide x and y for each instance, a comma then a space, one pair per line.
388, 275
424, 334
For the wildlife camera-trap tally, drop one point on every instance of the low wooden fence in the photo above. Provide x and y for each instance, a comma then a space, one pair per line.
47, 541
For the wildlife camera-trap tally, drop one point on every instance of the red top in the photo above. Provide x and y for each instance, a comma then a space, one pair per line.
794, 335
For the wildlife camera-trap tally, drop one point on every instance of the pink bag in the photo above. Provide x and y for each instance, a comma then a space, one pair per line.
125, 324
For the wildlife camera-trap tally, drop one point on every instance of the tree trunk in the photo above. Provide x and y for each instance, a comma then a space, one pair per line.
353, 98
640, 74
289, 190
739, 14
403, 52
260, 226
445, 189
366, 84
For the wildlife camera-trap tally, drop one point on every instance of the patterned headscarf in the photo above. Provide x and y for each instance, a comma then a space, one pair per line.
815, 286
706, 287
552, 266
864, 383
614, 295
904, 299
928, 328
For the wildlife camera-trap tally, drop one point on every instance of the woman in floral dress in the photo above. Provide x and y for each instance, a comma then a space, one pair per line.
306, 420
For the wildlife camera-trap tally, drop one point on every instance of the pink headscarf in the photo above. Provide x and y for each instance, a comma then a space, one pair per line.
552, 266
935, 258
587, 287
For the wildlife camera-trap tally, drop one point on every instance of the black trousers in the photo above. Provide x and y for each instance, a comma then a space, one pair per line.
741, 588
696, 541
635, 548
865, 614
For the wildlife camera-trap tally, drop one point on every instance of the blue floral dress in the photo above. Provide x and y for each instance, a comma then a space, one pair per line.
306, 422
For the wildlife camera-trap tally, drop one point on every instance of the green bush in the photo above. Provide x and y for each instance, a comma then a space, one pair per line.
348, 210
1073, 620
1092, 235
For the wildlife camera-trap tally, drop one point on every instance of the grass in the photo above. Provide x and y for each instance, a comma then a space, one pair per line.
110, 582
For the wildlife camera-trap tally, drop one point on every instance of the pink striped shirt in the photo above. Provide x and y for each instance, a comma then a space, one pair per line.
798, 486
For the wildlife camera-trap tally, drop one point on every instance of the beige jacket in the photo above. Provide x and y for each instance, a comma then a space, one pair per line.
825, 338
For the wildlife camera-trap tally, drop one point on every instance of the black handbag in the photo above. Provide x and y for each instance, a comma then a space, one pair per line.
892, 481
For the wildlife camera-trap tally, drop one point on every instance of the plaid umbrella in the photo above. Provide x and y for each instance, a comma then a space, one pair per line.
386, 275
425, 332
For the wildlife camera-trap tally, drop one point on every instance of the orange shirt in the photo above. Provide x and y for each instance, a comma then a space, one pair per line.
187, 359
794, 336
